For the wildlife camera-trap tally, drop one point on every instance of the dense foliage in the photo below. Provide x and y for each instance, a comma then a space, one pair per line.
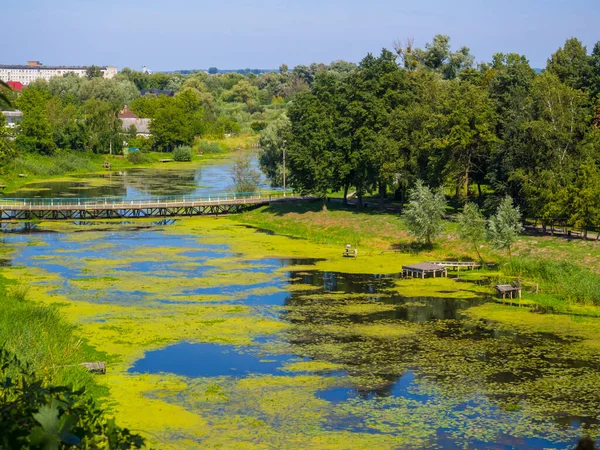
431, 114
39, 416
80, 113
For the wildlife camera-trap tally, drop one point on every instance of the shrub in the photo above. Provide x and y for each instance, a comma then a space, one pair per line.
136, 158
182, 153
35, 415
209, 147
258, 126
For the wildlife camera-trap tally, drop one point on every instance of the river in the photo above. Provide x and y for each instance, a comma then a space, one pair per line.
219, 335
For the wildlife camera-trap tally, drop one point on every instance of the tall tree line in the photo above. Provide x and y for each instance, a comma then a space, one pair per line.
433, 115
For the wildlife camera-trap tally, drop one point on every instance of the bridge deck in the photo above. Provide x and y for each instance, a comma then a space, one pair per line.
55, 209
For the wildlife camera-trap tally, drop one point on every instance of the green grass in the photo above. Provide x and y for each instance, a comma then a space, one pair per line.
565, 280
567, 273
59, 164
38, 336
241, 141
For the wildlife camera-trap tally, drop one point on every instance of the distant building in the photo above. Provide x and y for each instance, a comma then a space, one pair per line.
34, 70
128, 118
13, 118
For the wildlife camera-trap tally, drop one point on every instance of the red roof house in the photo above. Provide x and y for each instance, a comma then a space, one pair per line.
126, 114
15, 85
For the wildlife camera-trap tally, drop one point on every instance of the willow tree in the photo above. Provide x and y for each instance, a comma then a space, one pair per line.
424, 214
472, 226
505, 226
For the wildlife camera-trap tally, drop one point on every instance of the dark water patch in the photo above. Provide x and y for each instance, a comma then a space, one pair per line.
345, 282
403, 386
211, 360
284, 262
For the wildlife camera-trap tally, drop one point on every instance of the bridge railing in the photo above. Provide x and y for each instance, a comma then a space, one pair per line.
151, 200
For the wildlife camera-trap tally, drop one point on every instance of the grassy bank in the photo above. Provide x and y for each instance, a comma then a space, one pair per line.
39, 336
555, 273
40, 168
242, 141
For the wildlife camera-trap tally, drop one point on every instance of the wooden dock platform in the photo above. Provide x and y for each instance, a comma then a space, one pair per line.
422, 270
508, 290
469, 265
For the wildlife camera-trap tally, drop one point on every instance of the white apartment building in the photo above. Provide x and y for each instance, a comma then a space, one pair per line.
35, 70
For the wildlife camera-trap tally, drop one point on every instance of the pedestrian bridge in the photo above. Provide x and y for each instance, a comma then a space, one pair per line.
122, 207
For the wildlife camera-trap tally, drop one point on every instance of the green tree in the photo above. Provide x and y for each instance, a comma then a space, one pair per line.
436, 56
272, 142
370, 95
4, 95
35, 134
317, 146
571, 64
472, 226
242, 92
213, 70
466, 133
93, 72
171, 126
424, 214
102, 126
510, 82
505, 226
244, 176
7, 145
584, 197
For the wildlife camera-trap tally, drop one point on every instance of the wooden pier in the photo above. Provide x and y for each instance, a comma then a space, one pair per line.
422, 270
508, 290
122, 208
458, 264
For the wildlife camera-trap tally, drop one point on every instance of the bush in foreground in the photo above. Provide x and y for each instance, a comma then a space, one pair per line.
35, 415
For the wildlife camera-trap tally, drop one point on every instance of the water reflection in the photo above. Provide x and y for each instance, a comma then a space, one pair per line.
211, 360
140, 182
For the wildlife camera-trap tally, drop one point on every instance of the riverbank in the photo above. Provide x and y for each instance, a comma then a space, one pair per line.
63, 165
558, 274
38, 335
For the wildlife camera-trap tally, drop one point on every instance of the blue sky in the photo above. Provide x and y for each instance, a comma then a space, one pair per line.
231, 34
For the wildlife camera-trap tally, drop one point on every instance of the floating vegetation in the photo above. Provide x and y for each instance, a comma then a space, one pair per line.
222, 336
